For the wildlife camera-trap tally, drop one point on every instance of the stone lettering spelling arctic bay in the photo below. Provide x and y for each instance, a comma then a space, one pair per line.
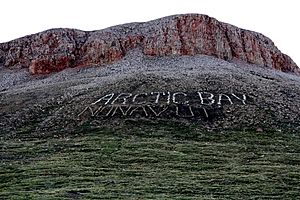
200, 104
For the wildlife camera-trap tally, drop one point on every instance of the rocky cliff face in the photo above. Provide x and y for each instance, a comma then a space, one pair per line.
192, 34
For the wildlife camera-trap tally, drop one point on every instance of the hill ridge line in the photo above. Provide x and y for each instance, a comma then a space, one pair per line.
188, 34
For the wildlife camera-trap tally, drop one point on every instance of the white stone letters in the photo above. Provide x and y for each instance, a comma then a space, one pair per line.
135, 97
243, 98
177, 94
162, 104
157, 96
206, 98
107, 97
224, 97
122, 96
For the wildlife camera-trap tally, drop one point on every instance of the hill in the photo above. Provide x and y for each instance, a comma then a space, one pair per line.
181, 107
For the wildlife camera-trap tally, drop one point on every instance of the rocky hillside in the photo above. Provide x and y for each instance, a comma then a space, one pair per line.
55, 50
188, 67
181, 107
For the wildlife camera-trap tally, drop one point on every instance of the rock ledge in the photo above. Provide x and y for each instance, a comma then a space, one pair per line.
189, 34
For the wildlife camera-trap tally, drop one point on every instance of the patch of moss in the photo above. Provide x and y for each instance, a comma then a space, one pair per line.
159, 160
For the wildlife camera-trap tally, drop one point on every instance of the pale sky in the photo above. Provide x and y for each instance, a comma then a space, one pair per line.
277, 19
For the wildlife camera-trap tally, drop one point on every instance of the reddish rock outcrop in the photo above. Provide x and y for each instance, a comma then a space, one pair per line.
191, 34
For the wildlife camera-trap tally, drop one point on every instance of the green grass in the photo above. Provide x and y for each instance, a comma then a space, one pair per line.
151, 161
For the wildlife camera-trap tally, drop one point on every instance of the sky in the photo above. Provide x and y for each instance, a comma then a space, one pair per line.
277, 19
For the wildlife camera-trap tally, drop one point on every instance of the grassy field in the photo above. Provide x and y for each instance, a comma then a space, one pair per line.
151, 161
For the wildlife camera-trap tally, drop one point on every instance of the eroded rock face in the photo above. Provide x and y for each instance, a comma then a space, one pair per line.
191, 34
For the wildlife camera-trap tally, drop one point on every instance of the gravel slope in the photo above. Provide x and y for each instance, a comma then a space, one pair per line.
271, 95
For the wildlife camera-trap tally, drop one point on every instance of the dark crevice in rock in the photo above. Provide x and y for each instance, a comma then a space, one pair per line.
79, 42
179, 31
262, 53
232, 54
242, 35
